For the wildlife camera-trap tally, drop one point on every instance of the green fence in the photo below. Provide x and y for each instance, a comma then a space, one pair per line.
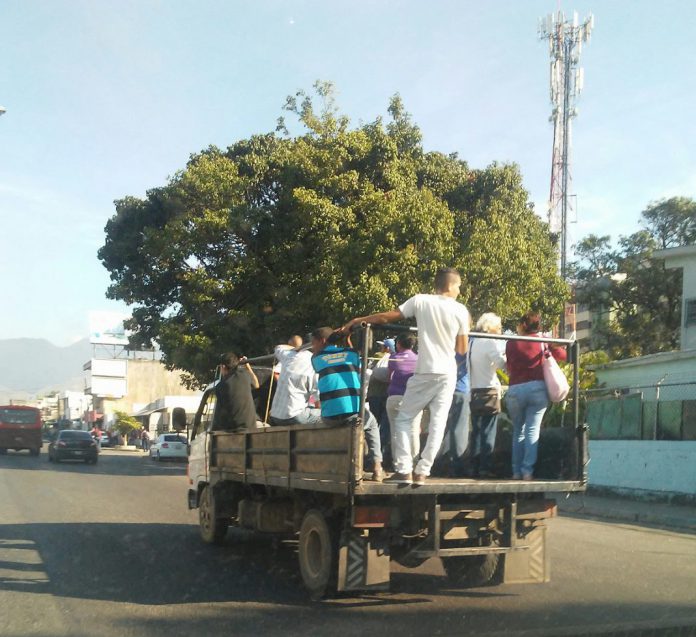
627, 415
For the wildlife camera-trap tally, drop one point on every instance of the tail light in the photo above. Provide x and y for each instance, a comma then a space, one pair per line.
368, 517
165, 445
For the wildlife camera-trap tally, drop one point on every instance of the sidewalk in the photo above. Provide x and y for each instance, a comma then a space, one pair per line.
671, 516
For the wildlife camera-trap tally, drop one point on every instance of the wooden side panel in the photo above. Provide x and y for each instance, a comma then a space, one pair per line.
325, 451
280, 453
267, 450
227, 450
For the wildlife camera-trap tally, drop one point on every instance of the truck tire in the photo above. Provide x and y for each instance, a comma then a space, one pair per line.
472, 570
318, 554
213, 529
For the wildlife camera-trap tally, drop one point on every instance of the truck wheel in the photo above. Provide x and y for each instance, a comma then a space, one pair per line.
472, 570
318, 553
213, 529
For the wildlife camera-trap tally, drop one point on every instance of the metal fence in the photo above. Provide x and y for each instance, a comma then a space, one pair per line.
662, 411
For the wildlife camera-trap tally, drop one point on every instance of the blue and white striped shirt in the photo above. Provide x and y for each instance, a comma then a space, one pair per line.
339, 381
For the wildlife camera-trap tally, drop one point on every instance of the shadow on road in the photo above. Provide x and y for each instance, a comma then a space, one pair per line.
168, 564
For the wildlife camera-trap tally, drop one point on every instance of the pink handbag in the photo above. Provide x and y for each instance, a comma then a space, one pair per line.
556, 382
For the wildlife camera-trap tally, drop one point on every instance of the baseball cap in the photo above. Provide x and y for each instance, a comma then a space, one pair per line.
389, 343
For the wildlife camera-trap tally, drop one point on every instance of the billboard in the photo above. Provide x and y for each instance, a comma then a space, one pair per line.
106, 328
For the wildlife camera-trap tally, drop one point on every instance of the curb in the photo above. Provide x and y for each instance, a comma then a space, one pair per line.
666, 521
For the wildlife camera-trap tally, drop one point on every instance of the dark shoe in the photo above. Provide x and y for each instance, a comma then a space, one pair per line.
399, 478
419, 479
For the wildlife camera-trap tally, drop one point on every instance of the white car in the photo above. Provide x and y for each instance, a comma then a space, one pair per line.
170, 445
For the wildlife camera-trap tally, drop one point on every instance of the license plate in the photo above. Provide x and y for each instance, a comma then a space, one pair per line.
77, 453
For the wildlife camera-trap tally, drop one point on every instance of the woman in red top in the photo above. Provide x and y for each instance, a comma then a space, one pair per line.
526, 398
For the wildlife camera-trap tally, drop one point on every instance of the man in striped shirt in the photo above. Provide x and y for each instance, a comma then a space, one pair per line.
339, 390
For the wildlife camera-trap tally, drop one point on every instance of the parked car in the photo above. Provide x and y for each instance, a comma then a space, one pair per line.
169, 446
105, 440
71, 444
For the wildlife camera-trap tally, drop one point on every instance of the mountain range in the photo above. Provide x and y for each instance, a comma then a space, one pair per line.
35, 366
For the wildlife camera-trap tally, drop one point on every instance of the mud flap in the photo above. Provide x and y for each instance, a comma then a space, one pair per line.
529, 566
363, 561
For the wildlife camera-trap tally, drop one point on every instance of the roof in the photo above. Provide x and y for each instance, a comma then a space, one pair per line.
678, 252
661, 357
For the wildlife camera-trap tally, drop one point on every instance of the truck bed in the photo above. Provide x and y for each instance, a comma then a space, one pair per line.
330, 459
435, 485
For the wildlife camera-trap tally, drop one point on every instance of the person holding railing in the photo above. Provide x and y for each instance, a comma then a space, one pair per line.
527, 398
296, 386
339, 390
443, 326
235, 410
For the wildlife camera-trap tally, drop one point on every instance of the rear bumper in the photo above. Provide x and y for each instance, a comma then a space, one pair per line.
21, 439
75, 454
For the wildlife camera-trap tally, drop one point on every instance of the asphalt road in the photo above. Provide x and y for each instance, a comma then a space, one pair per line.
112, 550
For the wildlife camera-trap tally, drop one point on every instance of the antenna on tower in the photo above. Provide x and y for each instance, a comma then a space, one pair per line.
565, 38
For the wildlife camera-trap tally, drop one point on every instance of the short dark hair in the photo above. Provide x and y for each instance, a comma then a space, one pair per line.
531, 321
229, 359
443, 277
322, 333
407, 341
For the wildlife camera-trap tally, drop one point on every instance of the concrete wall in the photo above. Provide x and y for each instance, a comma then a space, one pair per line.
644, 466
147, 381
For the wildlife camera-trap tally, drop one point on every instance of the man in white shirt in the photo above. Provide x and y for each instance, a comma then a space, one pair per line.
443, 328
297, 386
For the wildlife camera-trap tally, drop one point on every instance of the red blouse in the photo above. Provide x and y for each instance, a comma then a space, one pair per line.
524, 360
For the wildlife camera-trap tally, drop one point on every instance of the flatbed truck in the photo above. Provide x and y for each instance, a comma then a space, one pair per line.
308, 482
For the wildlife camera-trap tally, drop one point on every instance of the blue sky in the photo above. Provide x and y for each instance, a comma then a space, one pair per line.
107, 98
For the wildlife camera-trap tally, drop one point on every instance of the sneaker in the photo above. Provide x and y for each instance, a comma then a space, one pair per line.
527, 477
419, 479
516, 476
400, 478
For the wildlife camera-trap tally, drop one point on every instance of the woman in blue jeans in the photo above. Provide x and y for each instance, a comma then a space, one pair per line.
486, 356
526, 398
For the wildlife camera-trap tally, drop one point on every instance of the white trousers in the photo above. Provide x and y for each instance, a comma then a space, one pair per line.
434, 391
393, 406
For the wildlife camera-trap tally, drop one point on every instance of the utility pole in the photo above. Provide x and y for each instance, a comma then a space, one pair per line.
565, 38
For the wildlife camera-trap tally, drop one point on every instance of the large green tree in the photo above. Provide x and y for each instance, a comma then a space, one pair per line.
280, 233
635, 300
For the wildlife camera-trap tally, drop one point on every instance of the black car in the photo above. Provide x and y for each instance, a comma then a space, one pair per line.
71, 444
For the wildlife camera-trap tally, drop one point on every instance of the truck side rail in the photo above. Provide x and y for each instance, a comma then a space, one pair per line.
365, 330
318, 458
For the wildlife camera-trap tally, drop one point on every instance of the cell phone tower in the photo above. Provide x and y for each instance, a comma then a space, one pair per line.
565, 39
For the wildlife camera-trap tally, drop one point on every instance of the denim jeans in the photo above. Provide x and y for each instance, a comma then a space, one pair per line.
526, 405
370, 429
483, 431
456, 438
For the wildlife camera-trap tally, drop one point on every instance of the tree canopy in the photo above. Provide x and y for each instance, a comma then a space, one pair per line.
280, 233
635, 300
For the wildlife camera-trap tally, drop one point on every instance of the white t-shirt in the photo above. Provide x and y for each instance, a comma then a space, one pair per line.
297, 382
486, 355
440, 320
